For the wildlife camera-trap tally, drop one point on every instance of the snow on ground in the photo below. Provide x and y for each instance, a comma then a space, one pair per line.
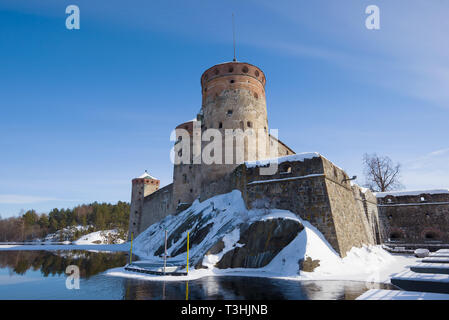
51, 247
65, 233
379, 294
227, 212
99, 237
433, 277
410, 192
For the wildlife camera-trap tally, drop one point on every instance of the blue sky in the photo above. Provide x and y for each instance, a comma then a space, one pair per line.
85, 111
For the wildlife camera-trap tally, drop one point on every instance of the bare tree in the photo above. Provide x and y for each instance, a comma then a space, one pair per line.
381, 173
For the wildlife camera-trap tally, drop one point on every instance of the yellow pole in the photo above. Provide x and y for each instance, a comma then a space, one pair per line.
187, 252
187, 290
131, 249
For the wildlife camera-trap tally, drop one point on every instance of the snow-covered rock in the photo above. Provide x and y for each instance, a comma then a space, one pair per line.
100, 237
421, 253
217, 231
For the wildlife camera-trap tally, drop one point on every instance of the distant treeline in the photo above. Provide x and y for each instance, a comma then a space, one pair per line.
98, 216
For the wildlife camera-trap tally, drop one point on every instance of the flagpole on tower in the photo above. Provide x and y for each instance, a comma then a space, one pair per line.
233, 34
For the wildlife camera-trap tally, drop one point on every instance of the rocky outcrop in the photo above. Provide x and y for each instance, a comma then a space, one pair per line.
260, 242
308, 265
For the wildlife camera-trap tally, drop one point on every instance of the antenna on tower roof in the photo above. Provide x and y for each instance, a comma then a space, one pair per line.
233, 34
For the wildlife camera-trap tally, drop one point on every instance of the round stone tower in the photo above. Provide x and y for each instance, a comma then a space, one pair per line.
141, 187
233, 97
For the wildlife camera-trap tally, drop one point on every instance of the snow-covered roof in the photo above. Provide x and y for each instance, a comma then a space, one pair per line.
293, 157
410, 193
147, 176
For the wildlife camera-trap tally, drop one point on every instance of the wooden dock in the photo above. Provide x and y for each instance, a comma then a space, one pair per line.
155, 268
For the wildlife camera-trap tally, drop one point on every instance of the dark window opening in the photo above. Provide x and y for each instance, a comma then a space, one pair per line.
220, 125
395, 236
229, 113
286, 169
245, 69
431, 236
232, 81
249, 124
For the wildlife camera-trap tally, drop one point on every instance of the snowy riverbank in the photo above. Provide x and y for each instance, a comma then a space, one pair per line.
53, 247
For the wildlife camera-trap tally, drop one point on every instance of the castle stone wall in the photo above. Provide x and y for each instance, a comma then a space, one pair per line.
416, 218
313, 189
367, 203
350, 221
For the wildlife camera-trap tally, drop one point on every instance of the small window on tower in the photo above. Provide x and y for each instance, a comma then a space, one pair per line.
220, 125
249, 124
229, 113
245, 69
232, 81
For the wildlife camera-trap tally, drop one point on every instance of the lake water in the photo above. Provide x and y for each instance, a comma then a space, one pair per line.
41, 275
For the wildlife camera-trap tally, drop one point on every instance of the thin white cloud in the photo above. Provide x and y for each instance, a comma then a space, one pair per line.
408, 55
439, 152
430, 170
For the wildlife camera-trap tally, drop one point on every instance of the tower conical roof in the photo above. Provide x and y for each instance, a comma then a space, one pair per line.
146, 175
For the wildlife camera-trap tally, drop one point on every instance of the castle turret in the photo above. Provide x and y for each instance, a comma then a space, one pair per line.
186, 176
141, 187
233, 97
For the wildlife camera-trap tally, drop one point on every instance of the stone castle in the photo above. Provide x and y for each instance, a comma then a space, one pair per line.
307, 184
